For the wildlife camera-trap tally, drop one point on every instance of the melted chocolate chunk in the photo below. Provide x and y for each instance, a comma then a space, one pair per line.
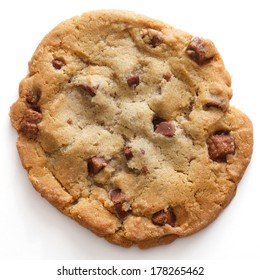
118, 198
29, 129
220, 145
32, 116
198, 51
162, 218
29, 124
33, 96
95, 165
165, 128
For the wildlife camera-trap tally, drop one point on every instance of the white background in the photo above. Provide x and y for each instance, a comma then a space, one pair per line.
30, 228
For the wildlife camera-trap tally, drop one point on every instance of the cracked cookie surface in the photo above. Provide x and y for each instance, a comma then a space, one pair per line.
124, 125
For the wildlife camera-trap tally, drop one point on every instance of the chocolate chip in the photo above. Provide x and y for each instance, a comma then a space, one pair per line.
167, 76
95, 165
220, 145
29, 124
165, 128
32, 116
118, 198
162, 217
90, 90
152, 37
133, 81
128, 153
155, 41
29, 129
144, 170
33, 96
57, 64
69, 121
198, 51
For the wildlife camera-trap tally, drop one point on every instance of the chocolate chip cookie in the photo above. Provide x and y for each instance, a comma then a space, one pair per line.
125, 126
